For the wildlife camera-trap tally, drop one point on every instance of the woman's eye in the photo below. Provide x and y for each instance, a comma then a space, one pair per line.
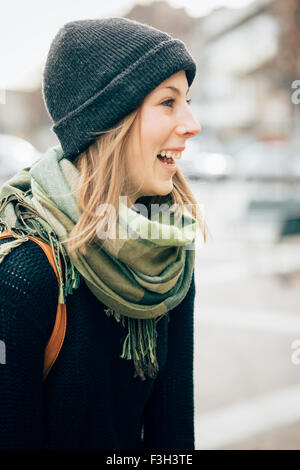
168, 101
172, 100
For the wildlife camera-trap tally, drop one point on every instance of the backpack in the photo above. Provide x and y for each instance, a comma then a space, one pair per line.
58, 334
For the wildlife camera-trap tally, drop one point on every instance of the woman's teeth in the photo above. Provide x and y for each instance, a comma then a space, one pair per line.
175, 155
169, 157
165, 159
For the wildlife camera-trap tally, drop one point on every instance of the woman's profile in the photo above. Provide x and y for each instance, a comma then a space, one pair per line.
120, 219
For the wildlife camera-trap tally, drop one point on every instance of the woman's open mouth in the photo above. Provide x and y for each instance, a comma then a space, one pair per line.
167, 163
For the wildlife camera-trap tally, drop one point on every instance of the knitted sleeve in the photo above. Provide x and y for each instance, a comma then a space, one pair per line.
169, 415
28, 303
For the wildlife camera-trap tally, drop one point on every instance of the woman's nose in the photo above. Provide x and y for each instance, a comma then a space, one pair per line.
190, 128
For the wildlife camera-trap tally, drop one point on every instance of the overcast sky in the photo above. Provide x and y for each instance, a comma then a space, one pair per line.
28, 27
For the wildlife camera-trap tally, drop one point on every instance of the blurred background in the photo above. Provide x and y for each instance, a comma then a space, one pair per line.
244, 168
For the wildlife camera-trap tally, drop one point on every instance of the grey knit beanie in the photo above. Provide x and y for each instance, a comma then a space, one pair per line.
99, 70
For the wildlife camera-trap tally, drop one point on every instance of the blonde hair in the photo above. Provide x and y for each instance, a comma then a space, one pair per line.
103, 179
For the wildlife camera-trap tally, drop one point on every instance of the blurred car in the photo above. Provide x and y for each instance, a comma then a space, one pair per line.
266, 161
238, 143
275, 208
290, 227
197, 164
211, 165
15, 154
295, 166
277, 216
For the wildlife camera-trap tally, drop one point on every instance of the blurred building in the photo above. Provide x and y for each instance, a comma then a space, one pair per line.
247, 60
24, 115
250, 59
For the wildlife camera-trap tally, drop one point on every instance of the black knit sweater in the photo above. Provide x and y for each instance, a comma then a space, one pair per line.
90, 399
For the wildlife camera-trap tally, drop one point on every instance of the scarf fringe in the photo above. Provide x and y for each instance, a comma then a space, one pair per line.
139, 344
72, 278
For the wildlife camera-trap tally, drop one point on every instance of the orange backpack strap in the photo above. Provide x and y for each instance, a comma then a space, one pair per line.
58, 334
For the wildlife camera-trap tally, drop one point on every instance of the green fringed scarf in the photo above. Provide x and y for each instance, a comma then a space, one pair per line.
140, 275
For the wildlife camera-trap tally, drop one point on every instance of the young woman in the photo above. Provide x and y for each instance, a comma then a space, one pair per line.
116, 91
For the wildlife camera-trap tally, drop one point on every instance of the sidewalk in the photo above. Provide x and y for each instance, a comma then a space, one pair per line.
247, 389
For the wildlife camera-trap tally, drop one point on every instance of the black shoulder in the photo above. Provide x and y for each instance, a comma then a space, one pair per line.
28, 282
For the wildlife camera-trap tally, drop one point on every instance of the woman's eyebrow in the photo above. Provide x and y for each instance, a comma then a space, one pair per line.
174, 89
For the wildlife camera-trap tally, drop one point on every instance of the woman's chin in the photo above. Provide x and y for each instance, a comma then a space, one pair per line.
162, 189
166, 188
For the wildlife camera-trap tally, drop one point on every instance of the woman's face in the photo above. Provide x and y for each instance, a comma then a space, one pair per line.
166, 122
